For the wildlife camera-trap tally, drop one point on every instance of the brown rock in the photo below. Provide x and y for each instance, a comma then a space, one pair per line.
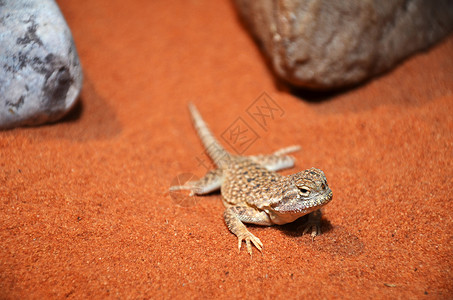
330, 44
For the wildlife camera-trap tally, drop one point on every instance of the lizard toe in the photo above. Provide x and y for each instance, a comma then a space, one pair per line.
314, 228
249, 239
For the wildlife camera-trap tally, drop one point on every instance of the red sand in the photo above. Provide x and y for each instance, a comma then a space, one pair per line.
85, 210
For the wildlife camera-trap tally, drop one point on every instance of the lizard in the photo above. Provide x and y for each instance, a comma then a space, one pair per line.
253, 192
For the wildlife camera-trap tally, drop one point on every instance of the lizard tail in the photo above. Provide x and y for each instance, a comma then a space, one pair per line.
217, 153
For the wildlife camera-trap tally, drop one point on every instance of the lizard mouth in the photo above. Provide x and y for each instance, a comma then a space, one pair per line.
327, 198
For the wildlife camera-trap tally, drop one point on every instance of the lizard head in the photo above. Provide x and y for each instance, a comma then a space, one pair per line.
303, 193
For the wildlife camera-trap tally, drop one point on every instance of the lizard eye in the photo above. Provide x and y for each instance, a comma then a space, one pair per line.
304, 191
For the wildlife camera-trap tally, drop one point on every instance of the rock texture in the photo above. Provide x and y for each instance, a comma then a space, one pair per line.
40, 73
330, 44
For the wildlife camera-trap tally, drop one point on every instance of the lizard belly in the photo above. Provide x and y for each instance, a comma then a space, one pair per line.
281, 219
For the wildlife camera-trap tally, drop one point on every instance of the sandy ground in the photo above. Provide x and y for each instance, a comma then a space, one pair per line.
85, 210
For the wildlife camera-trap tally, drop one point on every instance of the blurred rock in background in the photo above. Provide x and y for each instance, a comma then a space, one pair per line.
324, 45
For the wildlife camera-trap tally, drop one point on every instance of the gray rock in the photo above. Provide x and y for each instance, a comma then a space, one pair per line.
330, 44
40, 73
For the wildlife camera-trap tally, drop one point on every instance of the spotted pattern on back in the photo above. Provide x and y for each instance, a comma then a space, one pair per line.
247, 182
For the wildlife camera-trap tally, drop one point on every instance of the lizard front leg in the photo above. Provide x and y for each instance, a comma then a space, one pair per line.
313, 223
235, 216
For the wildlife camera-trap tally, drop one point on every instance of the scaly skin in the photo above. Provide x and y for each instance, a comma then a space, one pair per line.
253, 193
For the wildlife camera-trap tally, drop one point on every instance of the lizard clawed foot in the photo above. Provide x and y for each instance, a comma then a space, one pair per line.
248, 237
314, 227
287, 150
313, 224
191, 188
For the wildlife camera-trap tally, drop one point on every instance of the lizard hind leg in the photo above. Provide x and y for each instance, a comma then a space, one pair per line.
278, 160
208, 183
287, 150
